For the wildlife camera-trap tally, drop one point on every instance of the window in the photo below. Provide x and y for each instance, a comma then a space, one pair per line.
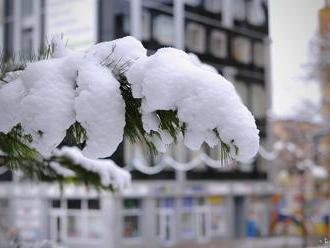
83, 220
242, 90
218, 216
131, 226
258, 101
146, 19
75, 226
26, 8
93, 204
255, 13
218, 44
165, 220
132, 217
94, 227
188, 218
258, 54
239, 10
56, 203
5, 223
27, 42
195, 37
74, 204
241, 50
163, 29
213, 6
193, 3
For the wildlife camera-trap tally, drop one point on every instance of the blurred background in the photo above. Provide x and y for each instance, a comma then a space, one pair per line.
277, 54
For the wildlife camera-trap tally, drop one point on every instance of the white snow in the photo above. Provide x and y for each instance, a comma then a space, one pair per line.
100, 108
169, 80
120, 53
50, 95
60, 49
196, 61
110, 173
10, 97
59, 169
47, 107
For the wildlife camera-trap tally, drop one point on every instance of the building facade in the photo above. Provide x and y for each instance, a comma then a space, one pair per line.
164, 207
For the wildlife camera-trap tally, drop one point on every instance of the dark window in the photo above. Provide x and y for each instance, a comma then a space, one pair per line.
93, 204
26, 8
132, 203
74, 204
56, 203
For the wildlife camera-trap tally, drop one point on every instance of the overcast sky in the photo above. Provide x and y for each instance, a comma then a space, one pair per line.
292, 25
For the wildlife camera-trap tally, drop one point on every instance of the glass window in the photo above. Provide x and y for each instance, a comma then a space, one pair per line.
255, 13
258, 101
163, 29
94, 227
193, 3
242, 90
27, 42
218, 44
74, 204
75, 226
146, 22
241, 50
214, 6
9, 10
93, 204
218, 223
26, 8
56, 203
258, 54
132, 203
187, 225
131, 227
239, 10
165, 203
4, 203
195, 37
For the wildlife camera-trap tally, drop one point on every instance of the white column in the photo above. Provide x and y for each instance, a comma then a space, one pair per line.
136, 18
179, 30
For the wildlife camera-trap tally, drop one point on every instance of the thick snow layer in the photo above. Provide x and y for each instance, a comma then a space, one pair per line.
47, 108
60, 170
50, 95
205, 101
100, 108
196, 61
110, 173
10, 96
60, 49
119, 53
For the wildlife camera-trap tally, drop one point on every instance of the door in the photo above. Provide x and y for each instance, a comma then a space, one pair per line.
203, 224
239, 218
56, 230
167, 226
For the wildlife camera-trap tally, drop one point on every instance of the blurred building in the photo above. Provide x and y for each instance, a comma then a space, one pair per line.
323, 137
167, 207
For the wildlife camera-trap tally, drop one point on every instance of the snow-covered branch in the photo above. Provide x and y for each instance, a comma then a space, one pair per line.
93, 99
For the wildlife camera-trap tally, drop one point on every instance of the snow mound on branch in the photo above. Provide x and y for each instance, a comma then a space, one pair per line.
109, 172
51, 95
196, 61
47, 108
169, 80
120, 53
60, 170
100, 109
10, 96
